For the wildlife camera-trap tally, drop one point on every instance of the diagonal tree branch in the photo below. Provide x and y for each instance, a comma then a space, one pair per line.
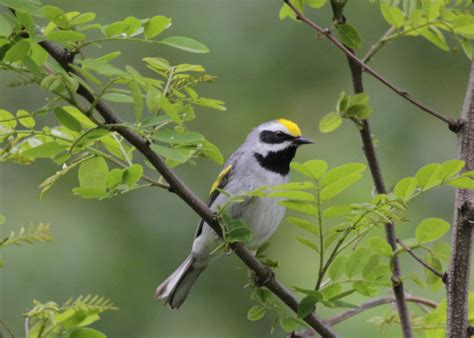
463, 227
356, 67
453, 125
178, 187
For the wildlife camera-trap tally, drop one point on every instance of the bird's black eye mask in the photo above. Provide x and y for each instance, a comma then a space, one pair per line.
275, 137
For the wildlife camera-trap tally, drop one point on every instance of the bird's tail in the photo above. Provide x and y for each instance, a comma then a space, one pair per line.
176, 287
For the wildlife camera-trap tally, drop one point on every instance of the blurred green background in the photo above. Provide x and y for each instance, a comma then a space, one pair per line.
123, 248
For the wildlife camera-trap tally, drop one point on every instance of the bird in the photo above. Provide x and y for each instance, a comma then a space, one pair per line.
262, 160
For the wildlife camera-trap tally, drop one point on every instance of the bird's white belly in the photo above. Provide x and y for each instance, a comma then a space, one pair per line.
262, 215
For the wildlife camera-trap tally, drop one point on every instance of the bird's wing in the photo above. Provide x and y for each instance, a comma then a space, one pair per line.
220, 184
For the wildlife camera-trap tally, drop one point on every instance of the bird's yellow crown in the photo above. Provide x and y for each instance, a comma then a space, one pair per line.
292, 127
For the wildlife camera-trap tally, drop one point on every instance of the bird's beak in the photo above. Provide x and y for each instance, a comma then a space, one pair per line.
302, 140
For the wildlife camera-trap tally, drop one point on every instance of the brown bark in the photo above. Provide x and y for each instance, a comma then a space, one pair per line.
463, 225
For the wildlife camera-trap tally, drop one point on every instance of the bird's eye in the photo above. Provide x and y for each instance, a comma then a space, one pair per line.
280, 134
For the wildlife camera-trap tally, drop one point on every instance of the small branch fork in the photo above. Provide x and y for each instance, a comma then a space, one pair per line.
419, 260
179, 188
453, 124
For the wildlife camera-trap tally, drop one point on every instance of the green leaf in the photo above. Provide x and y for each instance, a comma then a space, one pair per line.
65, 36
364, 288
211, 151
405, 188
175, 137
304, 208
337, 210
358, 111
91, 136
255, 313
289, 324
178, 155
138, 105
286, 12
238, 231
67, 120
93, 173
466, 45
450, 168
392, 14
330, 122
335, 188
85, 332
431, 279
3, 219
380, 246
210, 103
132, 174
118, 97
116, 28
342, 171
293, 195
294, 186
83, 18
337, 268
331, 290
170, 109
303, 224
371, 263
46, 150
316, 168
18, 51
114, 178
56, 15
186, 44
464, 25
155, 26
307, 243
25, 118
357, 260
463, 183
306, 306
342, 102
428, 176
431, 229
349, 35
441, 250
8, 119
5, 27
435, 36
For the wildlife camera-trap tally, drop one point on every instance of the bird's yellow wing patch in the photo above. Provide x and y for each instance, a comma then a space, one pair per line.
292, 127
219, 178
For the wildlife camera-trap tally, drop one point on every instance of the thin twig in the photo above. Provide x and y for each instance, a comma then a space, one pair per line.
10, 332
364, 307
122, 150
188, 196
376, 302
453, 124
419, 260
378, 45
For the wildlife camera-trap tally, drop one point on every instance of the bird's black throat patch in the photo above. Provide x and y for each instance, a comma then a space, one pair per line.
277, 161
